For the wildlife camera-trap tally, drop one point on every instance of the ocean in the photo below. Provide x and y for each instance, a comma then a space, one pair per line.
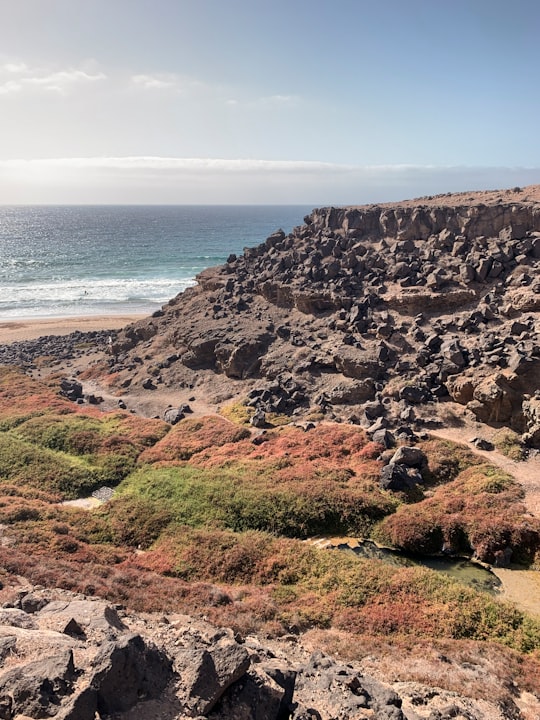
68, 261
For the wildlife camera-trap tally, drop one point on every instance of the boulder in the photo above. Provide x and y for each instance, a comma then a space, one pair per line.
383, 437
409, 456
355, 363
71, 389
257, 696
460, 388
531, 412
37, 688
399, 477
414, 394
126, 671
258, 419
205, 674
482, 443
173, 415
90, 615
491, 400
354, 392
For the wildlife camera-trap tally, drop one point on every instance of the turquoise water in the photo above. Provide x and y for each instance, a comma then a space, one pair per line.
93, 260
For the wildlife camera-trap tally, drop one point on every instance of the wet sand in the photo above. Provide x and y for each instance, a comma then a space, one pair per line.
29, 329
522, 587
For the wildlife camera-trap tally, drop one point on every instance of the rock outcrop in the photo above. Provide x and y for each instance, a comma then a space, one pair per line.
409, 304
68, 657
412, 303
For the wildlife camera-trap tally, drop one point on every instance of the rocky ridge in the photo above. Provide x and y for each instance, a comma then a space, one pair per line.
363, 313
72, 657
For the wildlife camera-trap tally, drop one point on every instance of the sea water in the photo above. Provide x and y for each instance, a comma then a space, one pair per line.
64, 261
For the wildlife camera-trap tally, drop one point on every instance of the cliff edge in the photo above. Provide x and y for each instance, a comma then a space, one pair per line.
376, 311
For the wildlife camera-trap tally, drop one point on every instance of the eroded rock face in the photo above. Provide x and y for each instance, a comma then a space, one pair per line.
132, 668
444, 297
531, 413
441, 298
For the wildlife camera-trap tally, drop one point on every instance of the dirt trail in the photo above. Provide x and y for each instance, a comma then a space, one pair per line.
521, 587
526, 472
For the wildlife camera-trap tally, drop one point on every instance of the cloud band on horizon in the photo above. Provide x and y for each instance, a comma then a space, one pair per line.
156, 179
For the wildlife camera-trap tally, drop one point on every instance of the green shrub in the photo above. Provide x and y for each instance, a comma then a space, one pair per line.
509, 443
236, 498
22, 462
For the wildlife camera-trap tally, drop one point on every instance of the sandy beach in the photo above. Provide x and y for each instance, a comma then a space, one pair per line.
29, 329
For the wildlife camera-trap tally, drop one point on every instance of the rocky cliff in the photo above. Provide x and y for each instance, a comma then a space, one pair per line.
377, 311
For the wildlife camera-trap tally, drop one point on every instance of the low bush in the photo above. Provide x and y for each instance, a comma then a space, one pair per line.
312, 587
479, 511
509, 443
446, 460
191, 436
46, 470
243, 497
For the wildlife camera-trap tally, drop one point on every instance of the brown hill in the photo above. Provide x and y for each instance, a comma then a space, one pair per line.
360, 313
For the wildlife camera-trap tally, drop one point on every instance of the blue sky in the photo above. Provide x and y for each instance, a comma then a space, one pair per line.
296, 101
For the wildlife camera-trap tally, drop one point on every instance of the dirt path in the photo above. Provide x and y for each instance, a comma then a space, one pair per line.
153, 403
521, 587
526, 472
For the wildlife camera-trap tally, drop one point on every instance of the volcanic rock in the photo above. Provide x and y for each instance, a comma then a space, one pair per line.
125, 666
414, 301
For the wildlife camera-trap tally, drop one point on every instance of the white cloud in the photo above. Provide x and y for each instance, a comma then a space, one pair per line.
15, 67
44, 79
179, 164
151, 82
149, 179
169, 81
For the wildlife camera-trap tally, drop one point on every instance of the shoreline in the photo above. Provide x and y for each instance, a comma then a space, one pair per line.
21, 329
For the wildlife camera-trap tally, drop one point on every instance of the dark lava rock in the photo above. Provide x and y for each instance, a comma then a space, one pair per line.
399, 477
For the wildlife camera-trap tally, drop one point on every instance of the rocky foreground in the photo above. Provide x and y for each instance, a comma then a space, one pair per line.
362, 313
76, 658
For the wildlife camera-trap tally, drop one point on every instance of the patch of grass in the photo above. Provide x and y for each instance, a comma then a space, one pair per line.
277, 497
136, 522
238, 412
446, 460
509, 443
277, 419
109, 443
47, 470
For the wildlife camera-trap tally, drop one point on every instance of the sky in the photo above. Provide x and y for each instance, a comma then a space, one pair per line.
268, 102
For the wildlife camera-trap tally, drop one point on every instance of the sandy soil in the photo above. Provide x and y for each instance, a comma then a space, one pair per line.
86, 503
528, 194
527, 472
154, 403
29, 329
522, 587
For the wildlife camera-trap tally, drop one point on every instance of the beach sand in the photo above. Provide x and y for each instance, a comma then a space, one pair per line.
29, 329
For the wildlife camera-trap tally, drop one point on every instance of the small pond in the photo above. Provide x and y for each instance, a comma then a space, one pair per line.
467, 572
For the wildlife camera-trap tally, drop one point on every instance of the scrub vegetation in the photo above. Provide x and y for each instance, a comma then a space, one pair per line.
205, 520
